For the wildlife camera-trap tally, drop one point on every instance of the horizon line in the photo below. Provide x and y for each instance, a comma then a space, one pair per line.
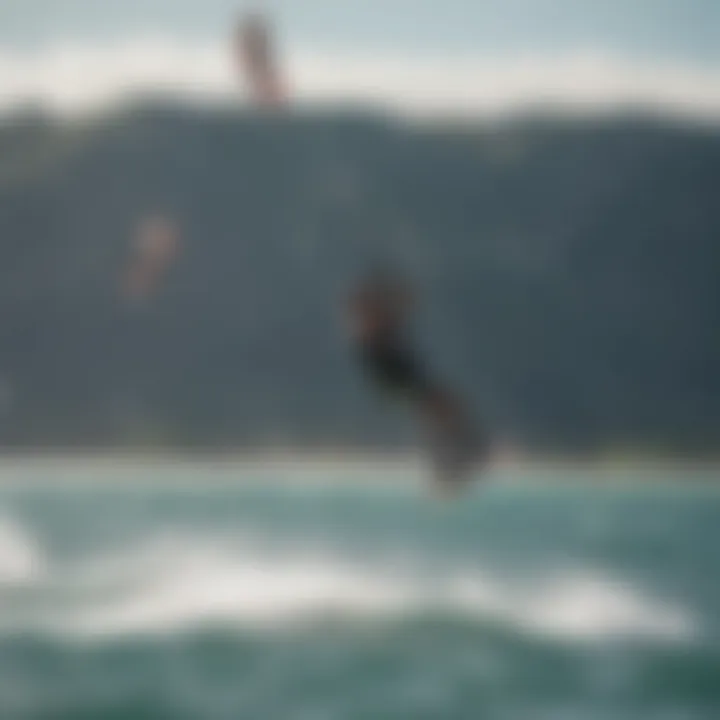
71, 79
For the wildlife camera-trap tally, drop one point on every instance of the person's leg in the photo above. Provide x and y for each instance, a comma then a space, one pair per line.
451, 435
444, 408
458, 448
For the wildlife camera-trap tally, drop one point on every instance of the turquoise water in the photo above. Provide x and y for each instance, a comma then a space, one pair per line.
345, 593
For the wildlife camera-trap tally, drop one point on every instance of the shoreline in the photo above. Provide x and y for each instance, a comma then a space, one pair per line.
347, 459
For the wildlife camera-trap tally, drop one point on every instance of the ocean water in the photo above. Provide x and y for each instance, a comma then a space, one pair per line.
205, 590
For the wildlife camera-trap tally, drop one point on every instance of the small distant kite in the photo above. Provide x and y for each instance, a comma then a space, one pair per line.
256, 59
155, 247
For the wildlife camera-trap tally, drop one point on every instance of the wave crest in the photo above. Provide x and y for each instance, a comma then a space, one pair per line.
176, 583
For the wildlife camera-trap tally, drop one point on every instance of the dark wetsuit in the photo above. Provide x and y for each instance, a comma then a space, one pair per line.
384, 353
389, 361
377, 317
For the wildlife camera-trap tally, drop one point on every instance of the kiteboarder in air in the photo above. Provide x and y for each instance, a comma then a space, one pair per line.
379, 307
377, 311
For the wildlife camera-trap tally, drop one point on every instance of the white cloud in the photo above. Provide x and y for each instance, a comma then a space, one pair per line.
74, 78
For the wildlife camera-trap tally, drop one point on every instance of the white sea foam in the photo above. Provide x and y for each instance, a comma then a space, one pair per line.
183, 579
20, 557
174, 584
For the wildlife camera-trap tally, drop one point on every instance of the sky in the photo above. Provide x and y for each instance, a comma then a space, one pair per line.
419, 55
